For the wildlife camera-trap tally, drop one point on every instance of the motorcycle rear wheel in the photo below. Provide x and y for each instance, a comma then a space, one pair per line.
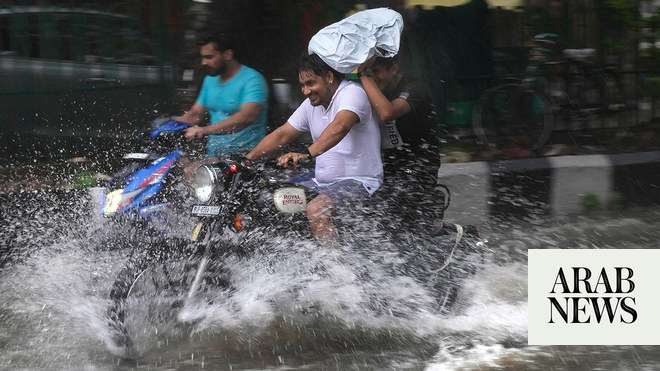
460, 264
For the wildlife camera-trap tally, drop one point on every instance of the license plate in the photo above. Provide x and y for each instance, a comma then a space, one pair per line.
136, 156
205, 210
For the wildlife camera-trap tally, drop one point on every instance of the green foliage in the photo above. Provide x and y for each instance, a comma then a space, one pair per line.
620, 21
651, 87
620, 15
590, 203
85, 179
616, 201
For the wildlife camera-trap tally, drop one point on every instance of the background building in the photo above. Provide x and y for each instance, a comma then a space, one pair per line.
458, 46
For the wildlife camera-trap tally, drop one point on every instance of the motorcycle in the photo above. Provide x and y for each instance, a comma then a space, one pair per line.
232, 203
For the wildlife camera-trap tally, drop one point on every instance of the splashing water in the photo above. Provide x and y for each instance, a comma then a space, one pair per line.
290, 304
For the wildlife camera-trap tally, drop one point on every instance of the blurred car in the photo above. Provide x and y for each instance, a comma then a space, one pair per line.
72, 77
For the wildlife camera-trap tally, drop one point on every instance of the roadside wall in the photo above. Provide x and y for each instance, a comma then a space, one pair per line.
554, 186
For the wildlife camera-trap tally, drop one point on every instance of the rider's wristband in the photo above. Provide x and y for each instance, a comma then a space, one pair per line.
309, 155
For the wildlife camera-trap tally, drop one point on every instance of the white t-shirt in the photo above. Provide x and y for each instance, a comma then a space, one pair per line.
357, 155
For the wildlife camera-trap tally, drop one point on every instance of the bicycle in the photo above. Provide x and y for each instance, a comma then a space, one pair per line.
595, 89
525, 112
517, 112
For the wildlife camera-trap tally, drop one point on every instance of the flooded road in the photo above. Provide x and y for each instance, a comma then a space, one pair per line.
293, 310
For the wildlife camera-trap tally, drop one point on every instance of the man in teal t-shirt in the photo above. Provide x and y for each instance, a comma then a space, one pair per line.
234, 95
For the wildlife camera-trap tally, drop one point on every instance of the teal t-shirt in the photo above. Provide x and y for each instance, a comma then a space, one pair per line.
224, 99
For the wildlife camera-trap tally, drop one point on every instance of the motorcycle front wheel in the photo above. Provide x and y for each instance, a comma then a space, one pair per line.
143, 304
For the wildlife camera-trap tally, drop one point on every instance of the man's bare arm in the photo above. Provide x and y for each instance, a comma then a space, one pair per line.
387, 110
244, 117
194, 115
334, 132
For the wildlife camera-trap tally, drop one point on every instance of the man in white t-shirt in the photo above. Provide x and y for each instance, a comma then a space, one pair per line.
346, 147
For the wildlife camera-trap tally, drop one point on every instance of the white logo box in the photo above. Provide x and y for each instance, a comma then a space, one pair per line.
567, 317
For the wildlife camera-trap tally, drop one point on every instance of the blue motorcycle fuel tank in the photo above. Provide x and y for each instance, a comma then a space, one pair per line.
140, 187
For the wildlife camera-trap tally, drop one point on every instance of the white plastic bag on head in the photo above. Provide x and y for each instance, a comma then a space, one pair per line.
346, 44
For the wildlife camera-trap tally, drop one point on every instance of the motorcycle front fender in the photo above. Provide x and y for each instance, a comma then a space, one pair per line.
197, 233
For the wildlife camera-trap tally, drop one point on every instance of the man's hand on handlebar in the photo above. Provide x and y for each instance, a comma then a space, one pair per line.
291, 159
194, 132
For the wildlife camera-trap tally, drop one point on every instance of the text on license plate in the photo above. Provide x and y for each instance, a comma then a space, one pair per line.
205, 210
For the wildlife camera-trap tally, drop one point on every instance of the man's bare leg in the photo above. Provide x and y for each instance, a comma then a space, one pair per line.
319, 213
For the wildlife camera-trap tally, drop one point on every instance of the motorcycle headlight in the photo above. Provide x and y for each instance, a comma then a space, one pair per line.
206, 183
115, 201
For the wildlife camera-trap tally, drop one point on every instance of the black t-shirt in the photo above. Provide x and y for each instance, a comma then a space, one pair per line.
411, 170
420, 153
417, 127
